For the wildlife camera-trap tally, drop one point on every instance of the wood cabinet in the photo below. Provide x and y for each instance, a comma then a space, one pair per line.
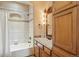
53, 55
47, 50
36, 51
32, 50
66, 30
43, 53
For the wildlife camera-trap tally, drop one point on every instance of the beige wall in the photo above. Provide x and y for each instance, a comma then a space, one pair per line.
38, 6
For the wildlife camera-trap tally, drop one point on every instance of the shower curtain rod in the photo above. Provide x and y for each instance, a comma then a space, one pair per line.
19, 20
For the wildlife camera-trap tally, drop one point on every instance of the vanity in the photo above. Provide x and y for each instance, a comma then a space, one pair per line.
42, 47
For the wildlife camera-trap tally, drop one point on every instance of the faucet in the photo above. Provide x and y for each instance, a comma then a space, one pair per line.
29, 41
15, 42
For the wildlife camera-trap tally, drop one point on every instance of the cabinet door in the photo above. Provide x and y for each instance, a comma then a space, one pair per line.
48, 51
53, 54
36, 51
32, 50
61, 5
65, 30
43, 54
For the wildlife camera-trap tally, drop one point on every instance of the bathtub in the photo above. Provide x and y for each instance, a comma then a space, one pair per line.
20, 50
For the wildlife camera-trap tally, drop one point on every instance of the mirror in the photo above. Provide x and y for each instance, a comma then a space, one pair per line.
49, 23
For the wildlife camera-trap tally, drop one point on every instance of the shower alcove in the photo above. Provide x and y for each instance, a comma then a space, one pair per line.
16, 29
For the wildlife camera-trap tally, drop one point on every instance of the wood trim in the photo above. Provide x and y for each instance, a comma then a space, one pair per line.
64, 50
66, 7
77, 32
61, 52
63, 13
38, 36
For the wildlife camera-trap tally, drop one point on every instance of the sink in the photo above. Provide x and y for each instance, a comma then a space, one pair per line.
45, 42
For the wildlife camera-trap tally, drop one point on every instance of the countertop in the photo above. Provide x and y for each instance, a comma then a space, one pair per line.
45, 42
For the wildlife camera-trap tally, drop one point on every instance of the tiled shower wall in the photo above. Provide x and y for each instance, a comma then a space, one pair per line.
18, 31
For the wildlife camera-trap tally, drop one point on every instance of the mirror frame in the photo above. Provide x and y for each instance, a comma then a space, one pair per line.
47, 31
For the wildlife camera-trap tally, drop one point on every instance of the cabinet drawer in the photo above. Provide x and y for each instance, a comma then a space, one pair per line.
43, 54
47, 50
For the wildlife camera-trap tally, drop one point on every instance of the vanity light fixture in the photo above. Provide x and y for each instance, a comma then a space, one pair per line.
43, 18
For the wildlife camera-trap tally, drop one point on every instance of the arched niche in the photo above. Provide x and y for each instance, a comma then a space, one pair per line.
15, 16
